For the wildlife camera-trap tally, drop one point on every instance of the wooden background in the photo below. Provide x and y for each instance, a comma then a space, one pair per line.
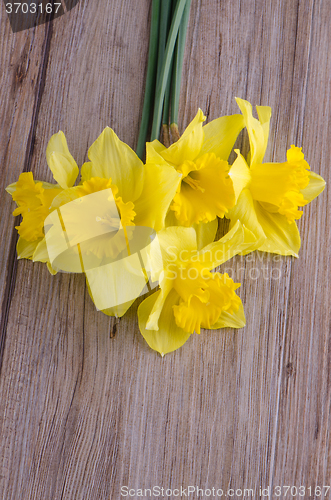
85, 405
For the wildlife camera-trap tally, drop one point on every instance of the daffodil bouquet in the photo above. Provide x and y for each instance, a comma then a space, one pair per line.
148, 228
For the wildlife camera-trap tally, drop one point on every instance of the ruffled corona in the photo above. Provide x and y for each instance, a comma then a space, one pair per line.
213, 294
280, 184
205, 192
34, 203
126, 212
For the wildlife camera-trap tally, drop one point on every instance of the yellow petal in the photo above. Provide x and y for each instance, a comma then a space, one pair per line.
60, 161
86, 171
160, 185
245, 212
153, 153
48, 185
282, 237
189, 145
65, 196
314, 188
221, 134
152, 322
258, 130
40, 253
205, 232
238, 240
117, 311
11, 188
51, 269
239, 174
175, 241
25, 249
116, 284
112, 158
231, 320
169, 336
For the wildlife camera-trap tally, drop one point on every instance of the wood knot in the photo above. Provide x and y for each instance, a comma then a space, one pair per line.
289, 369
20, 74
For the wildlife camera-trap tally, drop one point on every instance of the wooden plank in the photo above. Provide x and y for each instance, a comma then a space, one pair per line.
303, 441
113, 63
85, 405
23, 62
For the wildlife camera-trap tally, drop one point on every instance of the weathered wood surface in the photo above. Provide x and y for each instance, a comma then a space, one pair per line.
85, 405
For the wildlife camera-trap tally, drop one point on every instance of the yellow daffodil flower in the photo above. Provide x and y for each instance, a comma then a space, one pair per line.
117, 195
205, 191
34, 198
268, 195
190, 296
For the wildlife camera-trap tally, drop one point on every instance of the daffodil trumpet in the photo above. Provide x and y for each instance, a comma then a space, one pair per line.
205, 191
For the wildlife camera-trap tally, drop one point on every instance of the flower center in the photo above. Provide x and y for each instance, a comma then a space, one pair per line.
114, 223
104, 216
193, 183
206, 190
125, 211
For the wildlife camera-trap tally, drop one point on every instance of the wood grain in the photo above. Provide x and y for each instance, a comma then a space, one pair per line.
24, 59
85, 405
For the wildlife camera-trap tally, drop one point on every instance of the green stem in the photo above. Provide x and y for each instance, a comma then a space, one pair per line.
165, 20
150, 77
166, 105
160, 89
178, 64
